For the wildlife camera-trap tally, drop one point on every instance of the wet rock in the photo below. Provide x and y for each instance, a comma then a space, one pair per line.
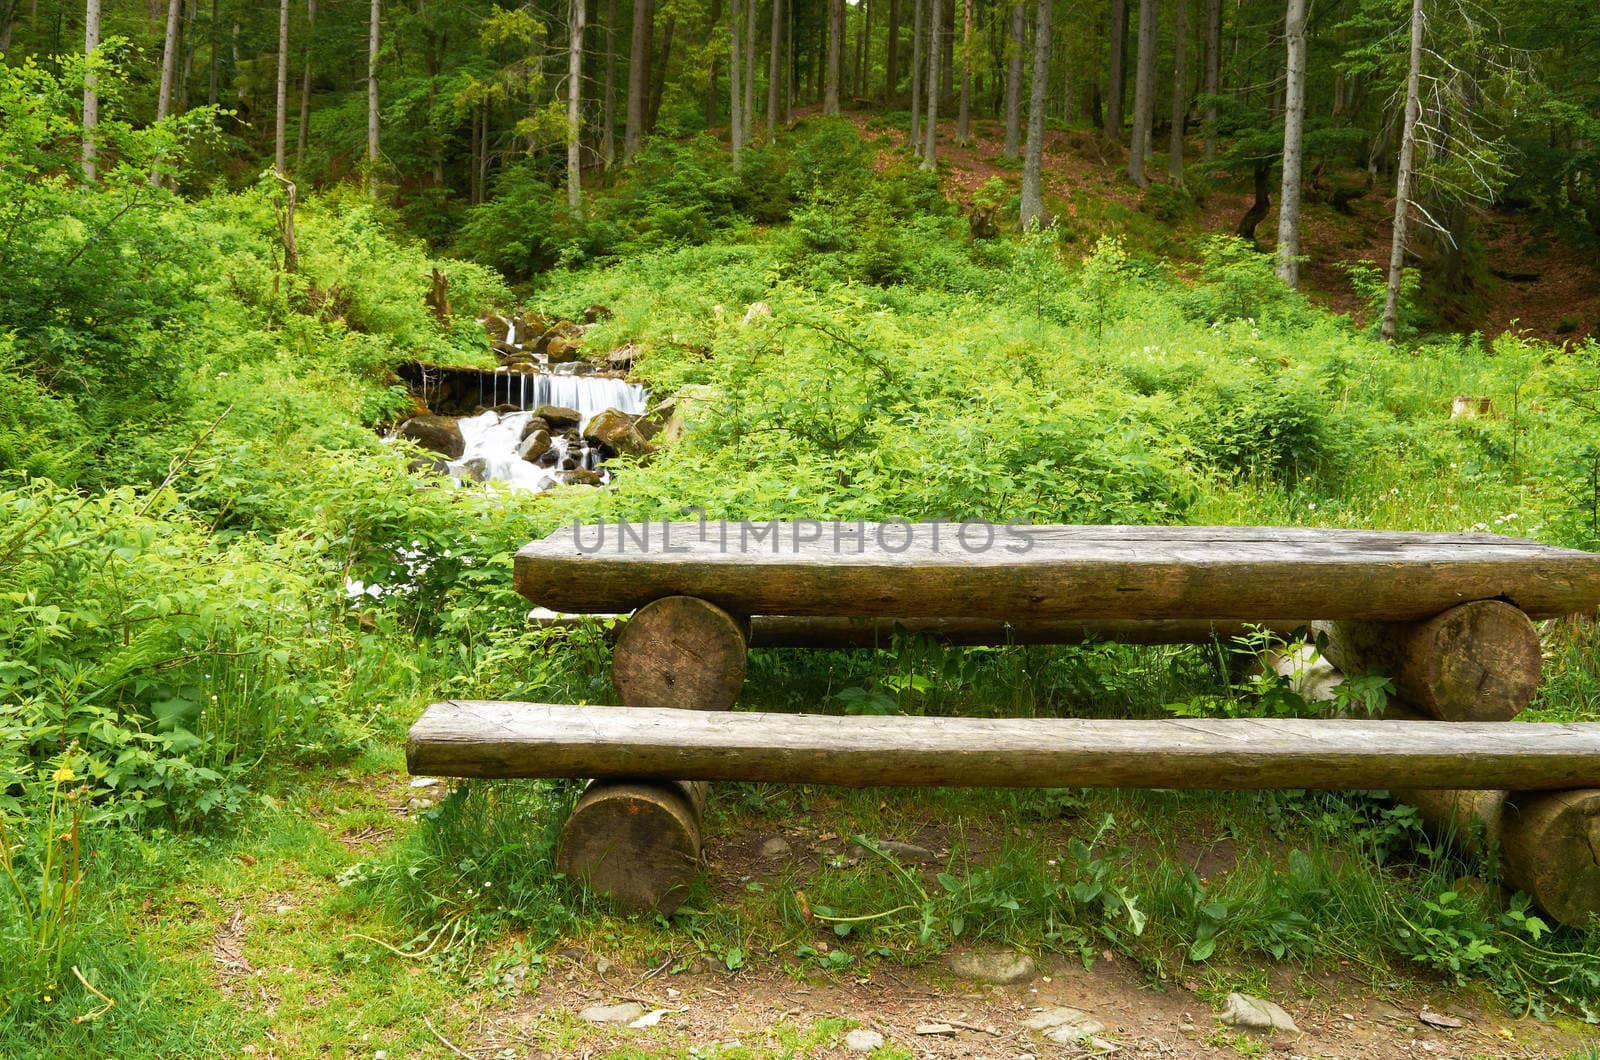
506, 408
548, 458
441, 434
622, 1013
475, 470
534, 446
529, 325
616, 431
1001, 967
559, 417
428, 465
1254, 1014
863, 1041
497, 326
503, 348
1065, 1026
533, 427
775, 847
596, 313
579, 476
622, 357
674, 416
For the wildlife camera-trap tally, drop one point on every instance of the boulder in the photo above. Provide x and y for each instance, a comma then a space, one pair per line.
580, 476
535, 445
596, 313
622, 357
757, 311
533, 426
558, 417
562, 350
442, 434
497, 326
1254, 1014
617, 432
1000, 967
530, 325
503, 348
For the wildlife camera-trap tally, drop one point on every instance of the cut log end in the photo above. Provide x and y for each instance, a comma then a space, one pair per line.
1476, 662
635, 844
1549, 842
680, 651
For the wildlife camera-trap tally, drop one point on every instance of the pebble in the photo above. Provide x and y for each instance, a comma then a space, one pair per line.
1000, 967
935, 1029
775, 847
624, 1012
1254, 1014
863, 1041
1064, 1025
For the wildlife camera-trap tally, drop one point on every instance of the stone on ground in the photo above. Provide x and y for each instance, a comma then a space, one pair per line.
863, 1041
775, 847
1000, 967
622, 1013
1064, 1025
1253, 1014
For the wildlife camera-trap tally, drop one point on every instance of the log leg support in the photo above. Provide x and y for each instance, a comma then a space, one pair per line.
638, 842
1549, 842
1476, 662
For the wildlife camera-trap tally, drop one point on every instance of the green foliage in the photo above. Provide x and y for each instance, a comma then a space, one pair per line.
1237, 283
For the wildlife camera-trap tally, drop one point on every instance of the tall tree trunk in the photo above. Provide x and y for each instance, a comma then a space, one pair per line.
1402, 195
1144, 91
211, 61
891, 53
735, 80
749, 71
964, 109
91, 97
930, 131
280, 119
8, 18
1117, 70
712, 108
305, 90
1180, 93
947, 58
608, 93
1014, 81
775, 72
169, 66
660, 66
577, 15
1213, 75
374, 18
1294, 118
1031, 211
638, 76
830, 90
918, 20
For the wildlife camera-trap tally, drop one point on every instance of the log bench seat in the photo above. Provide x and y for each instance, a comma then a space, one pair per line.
1448, 616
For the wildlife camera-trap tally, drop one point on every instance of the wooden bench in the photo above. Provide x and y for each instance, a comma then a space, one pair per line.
1449, 615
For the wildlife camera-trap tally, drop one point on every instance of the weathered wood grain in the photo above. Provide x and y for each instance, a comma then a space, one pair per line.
828, 631
679, 651
1279, 574
492, 739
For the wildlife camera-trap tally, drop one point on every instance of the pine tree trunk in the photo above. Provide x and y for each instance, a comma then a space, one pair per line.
608, 93
577, 15
735, 81
1144, 92
91, 97
1014, 39
1180, 93
749, 71
775, 72
305, 90
1117, 70
638, 76
830, 91
891, 53
1402, 195
919, 17
374, 20
281, 111
930, 130
947, 58
1031, 211
1294, 116
211, 61
1213, 74
964, 110
660, 66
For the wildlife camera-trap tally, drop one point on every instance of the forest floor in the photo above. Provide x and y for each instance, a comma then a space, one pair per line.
280, 961
1532, 281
